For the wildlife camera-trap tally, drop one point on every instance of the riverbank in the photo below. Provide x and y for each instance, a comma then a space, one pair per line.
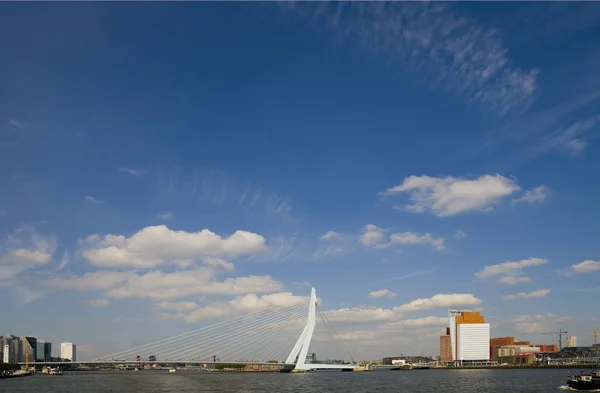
519, 367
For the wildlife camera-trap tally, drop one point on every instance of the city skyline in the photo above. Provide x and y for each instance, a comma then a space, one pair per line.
168, 166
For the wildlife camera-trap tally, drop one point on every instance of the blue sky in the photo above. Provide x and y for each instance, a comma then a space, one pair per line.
357, 147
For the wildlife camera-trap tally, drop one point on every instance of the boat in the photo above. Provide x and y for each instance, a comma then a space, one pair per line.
390, 367
585, 380
172, 370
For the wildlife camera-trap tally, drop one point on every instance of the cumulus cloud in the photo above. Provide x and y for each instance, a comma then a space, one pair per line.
382, 293
331, 235
159, 285
535, 195
425, 321
440, 301
451, 196
416, 238
23, 250
100, 280
33, 256
361, 315
528, 295
510, 268
246, 304
584, 267
156, 245
373, 236
536, 323
377, 238
165, 286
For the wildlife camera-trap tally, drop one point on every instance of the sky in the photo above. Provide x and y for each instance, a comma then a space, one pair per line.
167, 166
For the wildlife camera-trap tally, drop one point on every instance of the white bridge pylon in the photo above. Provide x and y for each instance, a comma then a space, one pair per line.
300, 350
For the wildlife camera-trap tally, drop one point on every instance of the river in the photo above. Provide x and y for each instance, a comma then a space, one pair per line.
425, 381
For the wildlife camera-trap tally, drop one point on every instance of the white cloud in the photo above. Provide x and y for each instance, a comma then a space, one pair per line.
93, 200
15, 123
246, 304
373, 236
33, 256
510, 268
331, 235
156, 245
98, 303
440, 301
570, 139
159, 285
165, 286
531, 295
333, 244
100, 280
361, 315
535, 195
436, 43
23, 250
165, 215
177, 306
415, 238
460, 234
450, 196
376, 237
382, 293
536, 323
134, 172
426, 321
513, 280
584, 267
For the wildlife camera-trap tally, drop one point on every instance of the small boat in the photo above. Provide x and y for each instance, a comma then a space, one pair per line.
172, 370
585, 380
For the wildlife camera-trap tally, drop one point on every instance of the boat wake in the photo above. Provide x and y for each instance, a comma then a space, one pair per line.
565, 387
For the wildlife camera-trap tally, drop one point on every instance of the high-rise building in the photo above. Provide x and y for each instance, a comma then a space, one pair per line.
44, 351
28, 349
571, 341
68, 351
469, 336
14, 348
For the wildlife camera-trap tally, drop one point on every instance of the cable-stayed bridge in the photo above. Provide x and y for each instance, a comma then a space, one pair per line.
280, 334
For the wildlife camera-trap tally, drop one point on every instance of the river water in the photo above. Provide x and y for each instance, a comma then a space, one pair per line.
437, 381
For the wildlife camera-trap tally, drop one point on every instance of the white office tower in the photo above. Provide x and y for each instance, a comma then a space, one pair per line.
474, 341
6, 354
469, 335
571, 341
68, 351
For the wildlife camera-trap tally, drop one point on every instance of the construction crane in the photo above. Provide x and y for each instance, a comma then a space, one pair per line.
595, 330
560, 333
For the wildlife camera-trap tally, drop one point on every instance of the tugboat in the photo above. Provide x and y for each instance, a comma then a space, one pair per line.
585, 380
